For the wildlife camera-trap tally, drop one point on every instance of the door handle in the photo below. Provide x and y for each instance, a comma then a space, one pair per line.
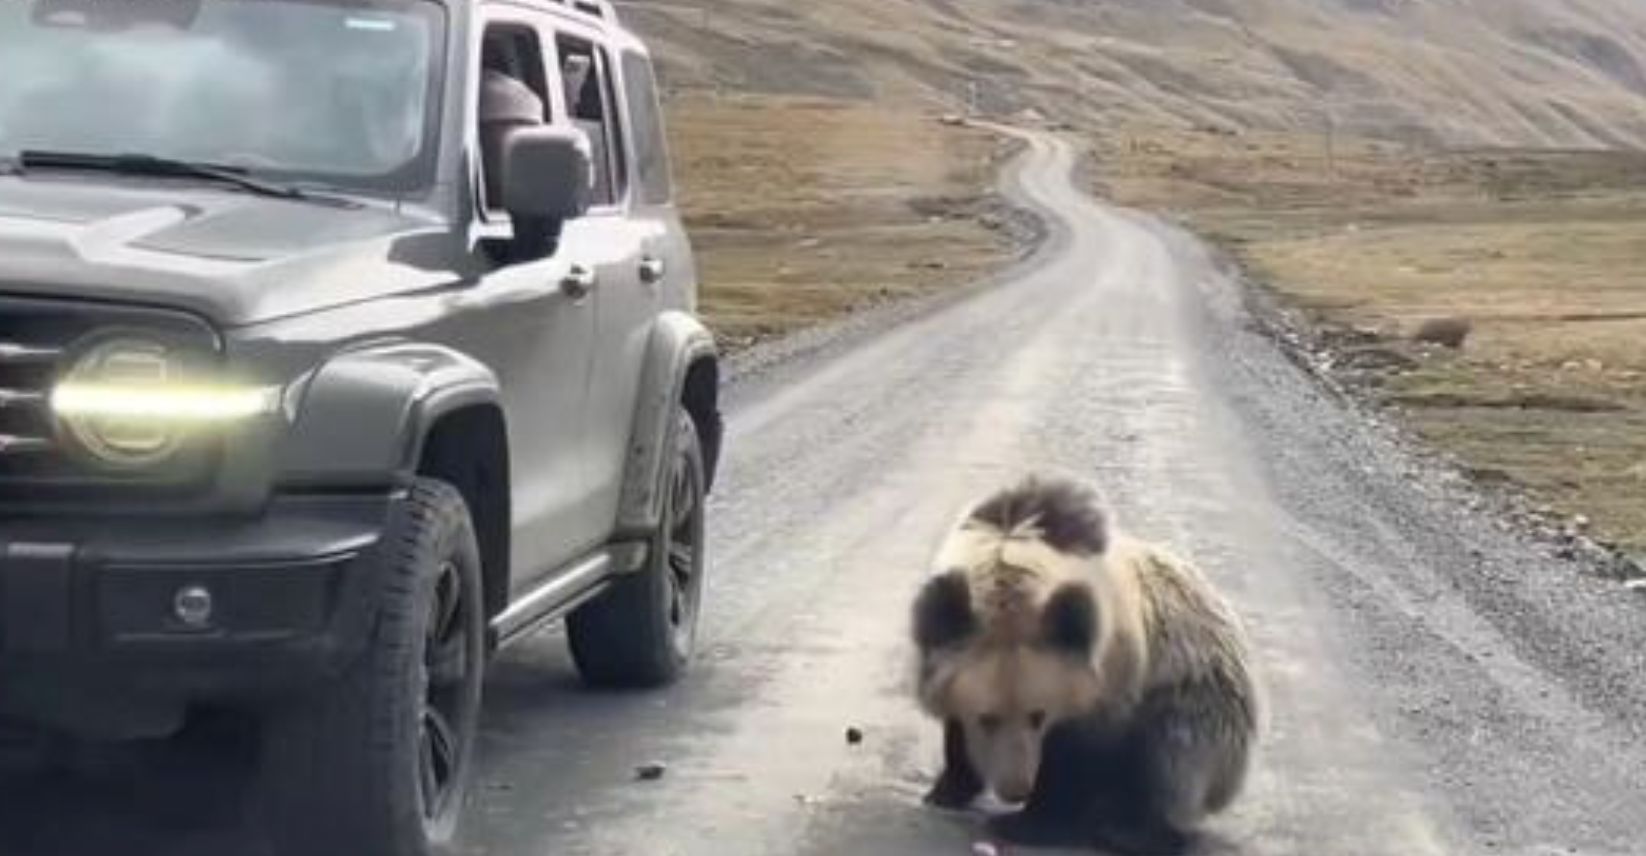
652, 270
578, 282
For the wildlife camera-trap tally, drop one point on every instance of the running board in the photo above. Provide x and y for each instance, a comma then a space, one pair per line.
559, 594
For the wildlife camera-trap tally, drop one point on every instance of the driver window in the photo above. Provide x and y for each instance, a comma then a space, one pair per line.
513, 95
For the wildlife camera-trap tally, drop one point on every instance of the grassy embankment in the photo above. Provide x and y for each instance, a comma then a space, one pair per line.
802, 210
1543, 252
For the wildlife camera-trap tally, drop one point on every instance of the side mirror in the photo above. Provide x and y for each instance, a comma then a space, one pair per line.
547, 178
547, 174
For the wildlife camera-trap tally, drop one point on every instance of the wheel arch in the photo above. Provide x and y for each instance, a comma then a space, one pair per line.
363, 414
682, 368
468, 448
700, 393
378, 416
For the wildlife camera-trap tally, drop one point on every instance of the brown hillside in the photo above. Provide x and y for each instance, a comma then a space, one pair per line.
1475, 72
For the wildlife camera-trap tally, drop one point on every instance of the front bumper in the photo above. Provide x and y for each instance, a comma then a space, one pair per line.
90, 638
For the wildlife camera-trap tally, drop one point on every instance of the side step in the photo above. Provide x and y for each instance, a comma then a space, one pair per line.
562, 592
556, 596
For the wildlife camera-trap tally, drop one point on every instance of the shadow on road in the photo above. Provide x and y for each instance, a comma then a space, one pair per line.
186, 797
178, 798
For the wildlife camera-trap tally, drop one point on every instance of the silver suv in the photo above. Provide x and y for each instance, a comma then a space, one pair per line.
341, 343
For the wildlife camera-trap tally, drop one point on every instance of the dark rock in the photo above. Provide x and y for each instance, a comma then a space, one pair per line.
1446, 332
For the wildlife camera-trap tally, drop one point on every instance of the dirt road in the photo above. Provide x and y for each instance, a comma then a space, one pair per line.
1435, 687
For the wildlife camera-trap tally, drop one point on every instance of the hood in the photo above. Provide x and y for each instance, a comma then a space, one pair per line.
234, 257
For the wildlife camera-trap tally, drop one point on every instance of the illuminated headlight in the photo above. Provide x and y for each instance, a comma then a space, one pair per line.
133, 403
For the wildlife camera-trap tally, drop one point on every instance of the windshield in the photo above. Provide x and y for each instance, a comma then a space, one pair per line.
340, 94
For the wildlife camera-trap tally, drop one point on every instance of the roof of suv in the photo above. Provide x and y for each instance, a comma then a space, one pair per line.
600, 13
602, 10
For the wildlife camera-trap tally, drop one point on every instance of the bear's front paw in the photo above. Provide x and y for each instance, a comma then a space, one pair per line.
953, 792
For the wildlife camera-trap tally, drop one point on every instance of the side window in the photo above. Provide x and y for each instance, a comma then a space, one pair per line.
514, 94
651, 151
592, 103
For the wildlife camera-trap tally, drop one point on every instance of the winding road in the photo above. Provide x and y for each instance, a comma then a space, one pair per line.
1435, 685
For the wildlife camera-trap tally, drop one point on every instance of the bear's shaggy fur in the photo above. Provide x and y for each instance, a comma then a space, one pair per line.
1098, 678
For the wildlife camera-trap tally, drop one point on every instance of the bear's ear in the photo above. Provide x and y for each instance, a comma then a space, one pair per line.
1068, 622
943, 614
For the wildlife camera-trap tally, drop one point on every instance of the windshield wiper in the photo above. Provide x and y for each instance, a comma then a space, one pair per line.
158, 166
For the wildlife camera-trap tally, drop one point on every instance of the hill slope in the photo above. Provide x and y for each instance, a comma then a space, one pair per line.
1475, 72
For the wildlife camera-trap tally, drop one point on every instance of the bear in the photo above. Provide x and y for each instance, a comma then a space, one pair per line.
1097, 679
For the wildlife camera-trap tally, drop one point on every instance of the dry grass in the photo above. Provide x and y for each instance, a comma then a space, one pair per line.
1542, 251
805, 209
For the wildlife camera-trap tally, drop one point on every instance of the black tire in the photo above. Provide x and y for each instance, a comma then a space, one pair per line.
640, 633
378, 763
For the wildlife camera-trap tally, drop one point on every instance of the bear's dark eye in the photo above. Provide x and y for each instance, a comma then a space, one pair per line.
990, 722
1037, 719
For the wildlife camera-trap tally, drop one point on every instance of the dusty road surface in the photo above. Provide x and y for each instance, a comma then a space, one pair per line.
1435, 688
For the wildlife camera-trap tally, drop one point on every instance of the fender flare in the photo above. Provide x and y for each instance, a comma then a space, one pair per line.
678, 343
363, 414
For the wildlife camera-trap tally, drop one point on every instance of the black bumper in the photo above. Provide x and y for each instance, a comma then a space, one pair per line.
90, 637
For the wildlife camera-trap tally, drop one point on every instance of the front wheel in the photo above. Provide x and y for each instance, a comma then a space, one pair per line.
378, 763
641, 631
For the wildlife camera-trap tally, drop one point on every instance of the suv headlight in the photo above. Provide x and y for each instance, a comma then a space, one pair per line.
133, 402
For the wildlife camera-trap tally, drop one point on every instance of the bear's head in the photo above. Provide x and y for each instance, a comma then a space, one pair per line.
1006, 682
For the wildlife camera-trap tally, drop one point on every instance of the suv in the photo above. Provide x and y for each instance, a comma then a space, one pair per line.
341, 343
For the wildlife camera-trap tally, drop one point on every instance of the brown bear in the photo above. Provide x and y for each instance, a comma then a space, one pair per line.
1099, 679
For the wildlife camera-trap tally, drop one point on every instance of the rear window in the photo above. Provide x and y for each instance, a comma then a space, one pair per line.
646, 125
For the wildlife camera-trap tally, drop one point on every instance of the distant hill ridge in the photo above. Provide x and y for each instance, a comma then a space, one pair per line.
1559, 73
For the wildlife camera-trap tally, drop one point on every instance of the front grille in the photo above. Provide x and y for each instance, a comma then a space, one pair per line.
39, 339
